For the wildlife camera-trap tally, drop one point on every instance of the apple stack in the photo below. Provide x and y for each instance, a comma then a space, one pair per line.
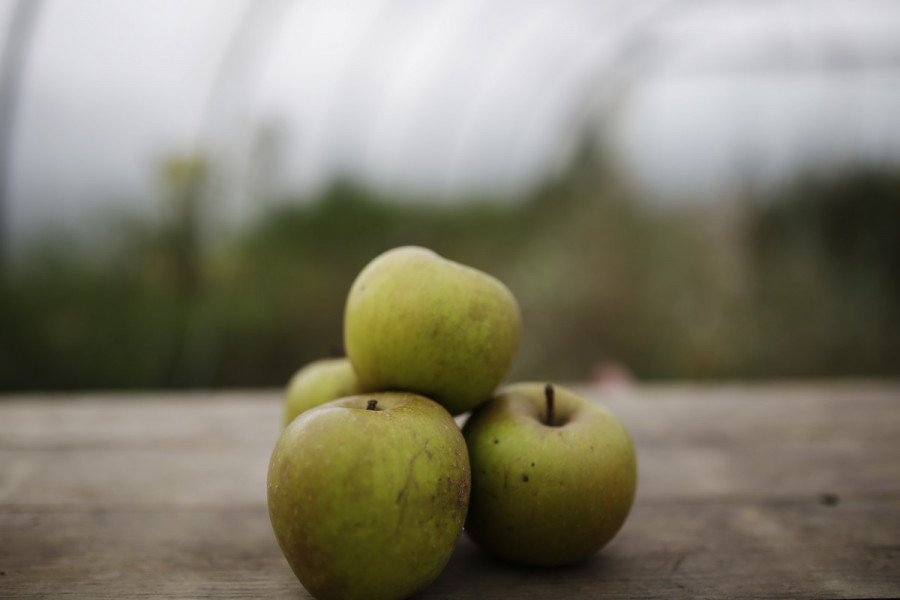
372, 481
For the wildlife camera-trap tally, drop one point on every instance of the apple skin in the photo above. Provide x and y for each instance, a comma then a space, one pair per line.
415, 321
547, 495
319, 382
369, 504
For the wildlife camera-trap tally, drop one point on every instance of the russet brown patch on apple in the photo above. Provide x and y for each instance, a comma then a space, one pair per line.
477, 312
409, 474
462, 498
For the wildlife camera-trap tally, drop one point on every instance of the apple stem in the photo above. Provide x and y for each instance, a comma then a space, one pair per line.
548, 393
371, 404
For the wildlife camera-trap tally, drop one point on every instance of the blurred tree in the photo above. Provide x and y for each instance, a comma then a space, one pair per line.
803, 282
826, 267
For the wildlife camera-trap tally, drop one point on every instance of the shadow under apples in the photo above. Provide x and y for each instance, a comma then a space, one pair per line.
473, 573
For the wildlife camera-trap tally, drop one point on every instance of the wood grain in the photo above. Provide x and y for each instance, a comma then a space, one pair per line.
774, 491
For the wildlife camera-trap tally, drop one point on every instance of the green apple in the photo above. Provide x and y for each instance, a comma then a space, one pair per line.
368, 495
415, 321
553, 475
319, 382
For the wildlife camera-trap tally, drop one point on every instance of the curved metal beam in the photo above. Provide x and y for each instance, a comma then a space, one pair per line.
13, 62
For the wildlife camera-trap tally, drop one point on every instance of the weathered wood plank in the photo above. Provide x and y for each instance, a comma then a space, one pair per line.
746, 549
750, 491
765, 442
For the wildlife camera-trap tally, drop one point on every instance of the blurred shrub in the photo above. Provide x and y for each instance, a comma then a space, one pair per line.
803, 281
825, 260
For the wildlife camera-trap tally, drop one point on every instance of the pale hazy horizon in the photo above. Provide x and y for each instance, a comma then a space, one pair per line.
444, 99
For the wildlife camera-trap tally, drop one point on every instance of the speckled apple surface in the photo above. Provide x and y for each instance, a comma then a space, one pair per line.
415, 321
547, 495
319, 382
369, 504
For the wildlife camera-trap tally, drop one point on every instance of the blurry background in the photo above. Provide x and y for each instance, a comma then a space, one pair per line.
672, 189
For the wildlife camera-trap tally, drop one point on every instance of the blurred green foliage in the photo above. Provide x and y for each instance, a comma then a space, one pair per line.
799, 282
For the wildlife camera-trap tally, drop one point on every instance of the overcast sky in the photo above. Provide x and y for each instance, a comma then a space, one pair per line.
445, 97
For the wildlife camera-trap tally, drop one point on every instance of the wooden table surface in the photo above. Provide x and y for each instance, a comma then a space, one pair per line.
763, 491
